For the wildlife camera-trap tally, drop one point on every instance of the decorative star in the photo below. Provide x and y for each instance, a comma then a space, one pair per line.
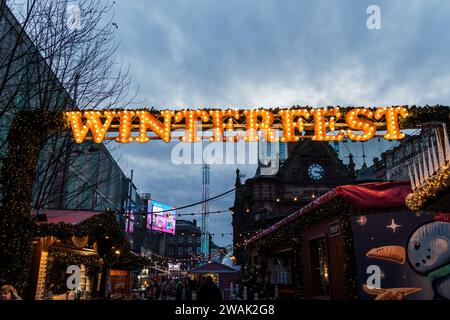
393, 226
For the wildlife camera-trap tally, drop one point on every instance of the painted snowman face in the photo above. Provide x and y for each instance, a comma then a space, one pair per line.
429, 247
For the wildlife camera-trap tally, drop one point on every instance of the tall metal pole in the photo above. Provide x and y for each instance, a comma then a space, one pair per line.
364, 154
205, 212
130, 187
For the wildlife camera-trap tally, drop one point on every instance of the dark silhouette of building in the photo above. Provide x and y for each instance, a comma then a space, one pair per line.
183, 247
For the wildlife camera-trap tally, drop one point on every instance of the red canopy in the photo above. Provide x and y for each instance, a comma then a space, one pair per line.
376, 195
67, 216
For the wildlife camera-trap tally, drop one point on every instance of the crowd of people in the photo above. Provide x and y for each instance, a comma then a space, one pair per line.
166, 289
183, 289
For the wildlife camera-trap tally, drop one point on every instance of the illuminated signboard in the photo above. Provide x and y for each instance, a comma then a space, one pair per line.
174, 266
161, 217
318, 124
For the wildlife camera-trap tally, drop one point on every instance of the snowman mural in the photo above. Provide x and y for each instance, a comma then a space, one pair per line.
428, 254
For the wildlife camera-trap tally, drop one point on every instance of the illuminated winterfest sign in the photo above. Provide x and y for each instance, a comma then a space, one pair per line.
320, 124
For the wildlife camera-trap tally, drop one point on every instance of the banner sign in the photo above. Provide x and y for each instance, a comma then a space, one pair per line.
320, 124
161, 217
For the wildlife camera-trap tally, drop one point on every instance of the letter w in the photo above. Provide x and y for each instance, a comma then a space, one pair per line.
93, 123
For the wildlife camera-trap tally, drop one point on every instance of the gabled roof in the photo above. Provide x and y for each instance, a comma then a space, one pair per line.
378, 195
214, 267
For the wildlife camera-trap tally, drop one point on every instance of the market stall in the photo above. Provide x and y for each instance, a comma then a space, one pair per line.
90, 241
222, 275
356, 242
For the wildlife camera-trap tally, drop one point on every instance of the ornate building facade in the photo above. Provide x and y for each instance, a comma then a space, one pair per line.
312, 169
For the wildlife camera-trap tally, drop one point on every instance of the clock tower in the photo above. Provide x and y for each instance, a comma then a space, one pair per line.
311, 169
316, 172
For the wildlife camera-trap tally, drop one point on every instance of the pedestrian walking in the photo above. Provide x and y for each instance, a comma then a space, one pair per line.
209, 291
151, 292
179, 290
187, 289
164, 286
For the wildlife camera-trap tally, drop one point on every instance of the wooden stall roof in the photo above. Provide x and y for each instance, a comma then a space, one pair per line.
375, 195
213, 267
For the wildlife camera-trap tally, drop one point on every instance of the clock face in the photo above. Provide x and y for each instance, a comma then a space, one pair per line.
316, 171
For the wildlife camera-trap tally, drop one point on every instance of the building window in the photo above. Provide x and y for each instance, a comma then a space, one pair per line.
180, 251
190, 250
281, 271
198, 249
319, 267
198, 238
190, 239
171, 239
180, 239
86, 200
97, 200
171, 251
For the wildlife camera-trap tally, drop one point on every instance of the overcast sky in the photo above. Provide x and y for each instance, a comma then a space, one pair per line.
266, 54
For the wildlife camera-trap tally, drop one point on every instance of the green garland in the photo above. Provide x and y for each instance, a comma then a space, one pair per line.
93, 263
28, 130
430, 190
102, 228
418, 115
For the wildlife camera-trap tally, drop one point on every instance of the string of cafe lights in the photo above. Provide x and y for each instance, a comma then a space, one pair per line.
218, 212
198, 257
189, 205
249, 234
167, 259
179, 215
